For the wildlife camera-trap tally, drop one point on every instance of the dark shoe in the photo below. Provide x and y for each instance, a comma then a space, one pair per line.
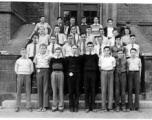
44, 109
128, 110
117, 109
104, 110
94, 110
137, 109
40, 109
111, 110
30, 109
17, 109
87, 110
76, 110
53, 110
61, 110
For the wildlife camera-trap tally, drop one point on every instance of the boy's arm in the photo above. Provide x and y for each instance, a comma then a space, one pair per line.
140, 66
16, 67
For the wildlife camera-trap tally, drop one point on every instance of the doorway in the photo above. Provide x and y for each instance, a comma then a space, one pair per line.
78, 10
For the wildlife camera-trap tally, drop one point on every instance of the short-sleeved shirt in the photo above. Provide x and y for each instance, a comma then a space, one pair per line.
44, 39
107, 63
95, 28
45, 25
128, 48
67, 50
42, 61
134, 64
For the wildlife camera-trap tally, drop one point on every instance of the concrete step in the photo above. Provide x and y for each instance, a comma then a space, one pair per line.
10, 104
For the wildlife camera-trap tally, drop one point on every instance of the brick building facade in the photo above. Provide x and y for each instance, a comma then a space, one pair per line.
15, 14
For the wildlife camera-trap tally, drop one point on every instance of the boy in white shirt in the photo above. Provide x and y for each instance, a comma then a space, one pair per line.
23, 69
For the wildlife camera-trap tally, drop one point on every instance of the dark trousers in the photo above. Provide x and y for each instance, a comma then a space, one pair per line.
42, 86
107, 87
120, 89
73, 84
133, 81
90, 83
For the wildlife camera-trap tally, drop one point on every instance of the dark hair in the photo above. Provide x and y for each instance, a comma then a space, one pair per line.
96, 17
73, 26
58, 48
133, 49
106, 47
128, 29
109, 20
72, 18
120, 50
83, 17
56, 26
43, 45
89, 43
41, 27
53, 36
69, 36
59, 18
132, 35
35, 34
118, 36
42, 16
83, 33
75, 45
100, 37
101, 29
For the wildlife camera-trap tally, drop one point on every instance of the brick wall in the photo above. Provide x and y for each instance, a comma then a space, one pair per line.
148, 31
134, 12
34, 11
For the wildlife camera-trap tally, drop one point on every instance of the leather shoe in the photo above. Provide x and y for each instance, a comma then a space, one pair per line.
94, 110
17, 109
30, 109
87, 110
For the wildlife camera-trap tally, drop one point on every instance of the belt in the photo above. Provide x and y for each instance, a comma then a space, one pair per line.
133, 71
42, 68
107, 70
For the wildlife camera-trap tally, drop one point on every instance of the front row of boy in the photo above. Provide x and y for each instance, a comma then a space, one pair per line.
113, 72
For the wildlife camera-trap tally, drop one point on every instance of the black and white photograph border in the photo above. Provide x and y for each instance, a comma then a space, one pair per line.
18, 21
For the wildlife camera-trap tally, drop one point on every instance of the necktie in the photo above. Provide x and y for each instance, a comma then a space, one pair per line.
74, 39
52, 48
119, 66
132, 46
57, 38
34, 51
84, 50
100, 51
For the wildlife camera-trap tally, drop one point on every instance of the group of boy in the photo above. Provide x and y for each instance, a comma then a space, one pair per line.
75, 57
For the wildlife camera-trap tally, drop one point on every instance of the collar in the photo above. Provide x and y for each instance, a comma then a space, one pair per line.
39, 54
54, 56
42, 34
96, 24
42, 23
107, 57
92, 53
84, 24
74, 55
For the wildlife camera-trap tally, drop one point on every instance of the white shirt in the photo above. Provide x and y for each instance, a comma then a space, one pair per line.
91, 38
107, 63
67, 50
134, 64
24, 66
49, 49
45, 25
44, 39
112, 41
62, 38
30, 49
42, 61
128, 48
106, 41
109, 31
77, 39
67, 28
96, 49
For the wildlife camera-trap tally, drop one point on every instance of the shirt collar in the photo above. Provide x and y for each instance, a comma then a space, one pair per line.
96, 24
42, 23
84, 24
92, 53
54, 56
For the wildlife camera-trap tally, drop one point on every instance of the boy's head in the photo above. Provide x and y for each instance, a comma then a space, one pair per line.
118, 39
132, 39
89, 29
59, 20
35, 38
23, 52
115, 32
83, 19
73, 29
110, 22
70, 39
53, 39
106, 50
83, 36
96, 20
57, 28
42, 19
100, 39
120, 53
58, 51
41, 30
133, 52
72, 20
90, 46
43, 48
74, 49
101, 30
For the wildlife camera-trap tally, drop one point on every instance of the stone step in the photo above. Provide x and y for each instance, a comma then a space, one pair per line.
10, 104
81, 97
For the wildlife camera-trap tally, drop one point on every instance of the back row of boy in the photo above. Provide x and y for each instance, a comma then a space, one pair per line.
73, 64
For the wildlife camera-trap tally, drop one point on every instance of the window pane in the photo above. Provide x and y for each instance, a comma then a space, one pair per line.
87, 13
93, 13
